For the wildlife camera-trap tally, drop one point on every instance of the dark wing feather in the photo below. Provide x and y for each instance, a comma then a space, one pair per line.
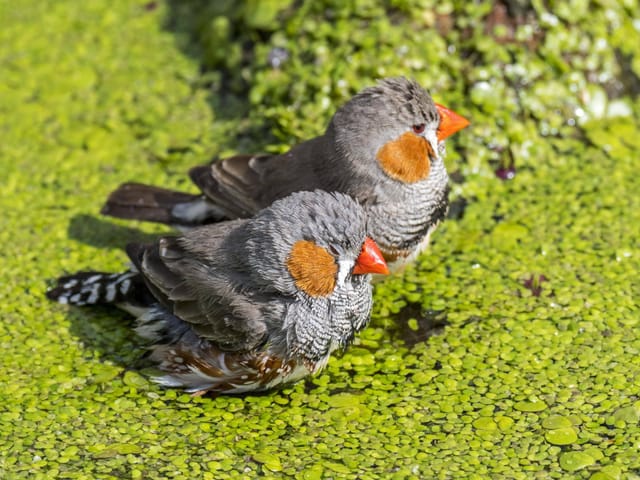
230, 184
243, 184
155, 273
196, 279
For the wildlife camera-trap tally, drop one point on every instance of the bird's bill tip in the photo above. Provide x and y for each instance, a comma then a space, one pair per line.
370, 259
450, 122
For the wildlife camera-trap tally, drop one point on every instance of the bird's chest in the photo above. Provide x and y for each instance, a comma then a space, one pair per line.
402, 222
397, 260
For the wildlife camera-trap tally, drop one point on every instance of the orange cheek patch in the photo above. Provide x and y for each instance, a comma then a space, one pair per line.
313, 268
407, 158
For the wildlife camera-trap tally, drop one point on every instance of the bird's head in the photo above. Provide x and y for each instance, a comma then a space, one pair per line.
397, 125
313, 243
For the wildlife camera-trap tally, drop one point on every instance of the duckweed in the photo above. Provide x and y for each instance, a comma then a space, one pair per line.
561, 436
572, 461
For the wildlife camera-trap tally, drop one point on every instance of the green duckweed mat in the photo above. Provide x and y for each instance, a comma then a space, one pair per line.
510, 350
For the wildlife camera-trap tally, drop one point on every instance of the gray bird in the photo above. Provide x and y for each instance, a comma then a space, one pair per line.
384, 147
248, 304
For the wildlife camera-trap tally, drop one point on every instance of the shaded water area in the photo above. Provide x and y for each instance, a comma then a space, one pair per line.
509, 350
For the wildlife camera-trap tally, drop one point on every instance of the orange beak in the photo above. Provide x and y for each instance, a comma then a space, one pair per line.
450, 122
370, 259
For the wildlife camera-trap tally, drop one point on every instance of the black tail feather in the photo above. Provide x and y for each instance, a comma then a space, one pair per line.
136, 201
100, 288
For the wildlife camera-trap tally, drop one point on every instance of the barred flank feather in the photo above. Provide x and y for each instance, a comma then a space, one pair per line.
198, 366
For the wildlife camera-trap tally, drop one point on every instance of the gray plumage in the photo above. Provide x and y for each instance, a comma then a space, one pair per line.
345, 159
221, 302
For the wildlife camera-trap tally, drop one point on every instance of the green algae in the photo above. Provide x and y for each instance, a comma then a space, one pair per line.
514, 385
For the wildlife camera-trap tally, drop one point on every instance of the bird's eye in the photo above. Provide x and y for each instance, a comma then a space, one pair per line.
418, 128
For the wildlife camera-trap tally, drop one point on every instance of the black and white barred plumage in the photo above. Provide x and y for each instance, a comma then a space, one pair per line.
92, 288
